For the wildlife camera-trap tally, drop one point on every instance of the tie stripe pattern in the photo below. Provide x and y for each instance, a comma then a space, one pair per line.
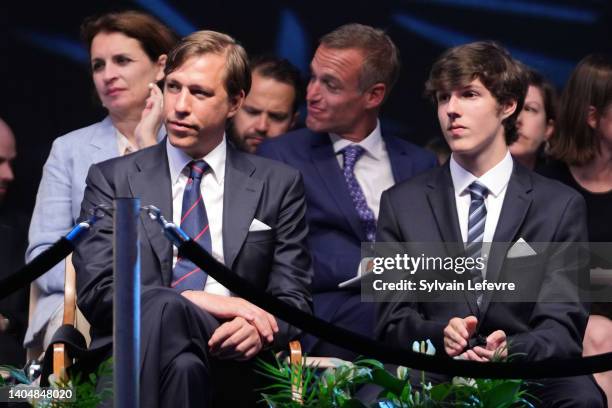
476, 227
194, 221
351, 154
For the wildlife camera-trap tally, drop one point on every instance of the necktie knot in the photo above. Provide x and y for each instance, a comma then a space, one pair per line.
197, 168
351, 154
478, 191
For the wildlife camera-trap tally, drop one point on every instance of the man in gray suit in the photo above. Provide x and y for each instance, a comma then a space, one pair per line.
247, 211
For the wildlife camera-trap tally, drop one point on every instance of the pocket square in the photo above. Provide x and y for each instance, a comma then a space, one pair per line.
520, 249
257, 225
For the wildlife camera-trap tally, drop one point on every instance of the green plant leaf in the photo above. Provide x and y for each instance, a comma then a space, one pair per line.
388, 381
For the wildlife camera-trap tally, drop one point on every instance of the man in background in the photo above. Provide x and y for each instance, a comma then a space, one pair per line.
271, 106
13, 309
347, 160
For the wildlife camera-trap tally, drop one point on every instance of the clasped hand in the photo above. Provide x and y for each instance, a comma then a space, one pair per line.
247, 328
457, 334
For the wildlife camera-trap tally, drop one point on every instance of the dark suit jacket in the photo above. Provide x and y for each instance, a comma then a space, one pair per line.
275, 260
336, 233
535, 209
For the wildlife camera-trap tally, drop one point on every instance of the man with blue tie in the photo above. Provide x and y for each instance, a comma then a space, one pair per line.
482, 196
347, 161
247, 211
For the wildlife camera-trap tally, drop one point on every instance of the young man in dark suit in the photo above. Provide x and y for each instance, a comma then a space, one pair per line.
347, 161
482, 195
248, 212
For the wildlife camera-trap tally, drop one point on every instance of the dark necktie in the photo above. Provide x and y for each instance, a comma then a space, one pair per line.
476, 227
351, 154
194, 221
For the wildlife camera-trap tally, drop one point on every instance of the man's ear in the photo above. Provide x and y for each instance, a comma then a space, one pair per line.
161, 65
508, 109
592, 117
235, 103
375, 95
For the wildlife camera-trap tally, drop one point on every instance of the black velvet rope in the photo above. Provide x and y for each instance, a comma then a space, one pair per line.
39, 265
357, 343
362, 345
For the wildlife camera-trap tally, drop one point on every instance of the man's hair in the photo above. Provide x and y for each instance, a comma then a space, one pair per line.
493, 65
237, 71
590, 84
280, 70
381, 59
154, 37
549, 92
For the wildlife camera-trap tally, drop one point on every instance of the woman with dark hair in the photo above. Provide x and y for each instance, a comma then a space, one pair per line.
536, 121
582, 145
127, 55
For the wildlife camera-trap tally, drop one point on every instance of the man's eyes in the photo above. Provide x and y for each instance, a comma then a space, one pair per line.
442, 97
251, 111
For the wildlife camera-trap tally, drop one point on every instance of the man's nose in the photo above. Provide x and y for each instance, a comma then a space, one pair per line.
312, 91
453, 106
519, 120
182, 103
262, 124
6, 172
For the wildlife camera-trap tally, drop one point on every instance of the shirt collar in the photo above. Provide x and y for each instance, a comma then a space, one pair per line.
372, 143
123, 144
178, 159
495, 180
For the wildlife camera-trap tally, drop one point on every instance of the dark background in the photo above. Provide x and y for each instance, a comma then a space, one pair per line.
46, 90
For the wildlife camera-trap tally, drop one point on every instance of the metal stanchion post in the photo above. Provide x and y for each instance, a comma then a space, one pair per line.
126, 333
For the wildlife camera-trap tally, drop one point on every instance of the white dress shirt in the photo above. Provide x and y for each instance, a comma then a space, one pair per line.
373, 169
495, 180
211, 186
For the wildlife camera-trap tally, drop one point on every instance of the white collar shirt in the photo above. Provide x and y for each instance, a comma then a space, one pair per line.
212, 187
373, 169
495, 180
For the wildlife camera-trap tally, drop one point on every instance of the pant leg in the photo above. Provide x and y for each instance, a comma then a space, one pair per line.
174, 337
568, 392
186, 383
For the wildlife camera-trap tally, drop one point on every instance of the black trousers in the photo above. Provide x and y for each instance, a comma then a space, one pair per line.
176, 368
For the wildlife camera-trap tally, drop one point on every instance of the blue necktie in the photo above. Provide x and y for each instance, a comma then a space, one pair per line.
194, 221
351, 154
476, 227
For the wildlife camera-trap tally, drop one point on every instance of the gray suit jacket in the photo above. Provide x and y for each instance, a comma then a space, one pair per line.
274, 260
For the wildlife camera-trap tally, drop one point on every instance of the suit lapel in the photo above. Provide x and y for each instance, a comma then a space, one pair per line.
401, 167
102, 142
240, 198
325, 162
441, 197
151, 183
514, 209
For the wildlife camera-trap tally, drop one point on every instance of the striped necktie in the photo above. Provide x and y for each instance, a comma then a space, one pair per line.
476, 226
351, 154
194, 221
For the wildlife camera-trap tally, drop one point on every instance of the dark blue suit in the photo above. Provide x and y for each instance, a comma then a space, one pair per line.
335, 231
